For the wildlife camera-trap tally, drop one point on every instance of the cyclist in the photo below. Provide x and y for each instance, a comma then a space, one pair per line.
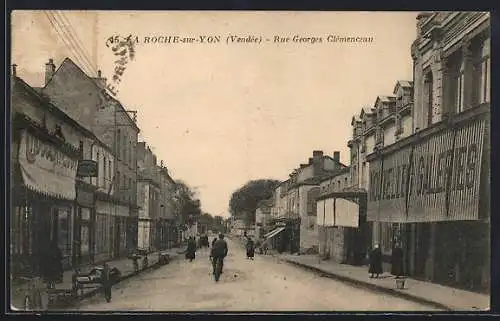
219, 251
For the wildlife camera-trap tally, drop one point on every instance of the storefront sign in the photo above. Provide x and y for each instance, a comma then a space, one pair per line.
84, 198
336, 211
45, 169
436, 180
87, 168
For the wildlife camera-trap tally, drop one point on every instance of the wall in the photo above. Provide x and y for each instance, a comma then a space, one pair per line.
143, 198
331, 243
308, 227
407, 123
390, 134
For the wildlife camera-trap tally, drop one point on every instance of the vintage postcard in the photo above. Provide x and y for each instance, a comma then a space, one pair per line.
262, 161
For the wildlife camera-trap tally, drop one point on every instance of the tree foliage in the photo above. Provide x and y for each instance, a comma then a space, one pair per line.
186, 203
245, 200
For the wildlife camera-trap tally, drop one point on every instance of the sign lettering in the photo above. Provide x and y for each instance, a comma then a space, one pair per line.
430, 174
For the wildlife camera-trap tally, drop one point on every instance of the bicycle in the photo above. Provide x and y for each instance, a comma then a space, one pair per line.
32, 296
218, 269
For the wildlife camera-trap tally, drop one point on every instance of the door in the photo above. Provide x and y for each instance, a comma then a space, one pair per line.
422, 252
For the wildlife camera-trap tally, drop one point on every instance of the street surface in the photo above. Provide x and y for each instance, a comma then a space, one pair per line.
264, 284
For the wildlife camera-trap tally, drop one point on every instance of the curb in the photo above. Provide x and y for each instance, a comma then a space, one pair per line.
372, 287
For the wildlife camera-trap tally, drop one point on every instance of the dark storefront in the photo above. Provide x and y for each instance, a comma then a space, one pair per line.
83, 252
43, 195
285, 235
432, 189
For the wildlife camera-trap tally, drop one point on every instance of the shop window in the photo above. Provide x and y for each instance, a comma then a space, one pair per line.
386, 238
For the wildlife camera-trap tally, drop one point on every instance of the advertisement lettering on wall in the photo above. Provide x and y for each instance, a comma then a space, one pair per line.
45, 169
436, 180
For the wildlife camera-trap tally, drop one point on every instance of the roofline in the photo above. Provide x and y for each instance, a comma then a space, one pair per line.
92, 80
65, 116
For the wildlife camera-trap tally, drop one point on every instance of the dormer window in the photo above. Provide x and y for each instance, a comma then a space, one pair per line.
58, 133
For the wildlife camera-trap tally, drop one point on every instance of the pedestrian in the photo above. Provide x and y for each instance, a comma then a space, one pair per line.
250, 249
106, 282
375, 262
213, 241
191, 249
397, 260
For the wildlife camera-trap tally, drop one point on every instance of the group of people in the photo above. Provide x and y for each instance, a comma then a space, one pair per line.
375, 260
219, 249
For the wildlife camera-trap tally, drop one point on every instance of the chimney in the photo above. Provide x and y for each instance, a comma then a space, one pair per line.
303, 165
50, 69
317, 153
318, 162
310, 161
14, 70
99, 74
336, 156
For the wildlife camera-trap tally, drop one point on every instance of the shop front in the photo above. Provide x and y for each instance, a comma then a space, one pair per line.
44, 173
285, 235
429, 195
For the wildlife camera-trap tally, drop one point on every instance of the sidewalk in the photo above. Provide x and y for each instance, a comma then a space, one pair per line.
125, 265
426, 293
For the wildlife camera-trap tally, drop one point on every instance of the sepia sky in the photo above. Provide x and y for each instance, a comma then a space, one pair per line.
222, 114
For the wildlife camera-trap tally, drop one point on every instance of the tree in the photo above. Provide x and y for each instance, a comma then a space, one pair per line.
186, 204
245, 200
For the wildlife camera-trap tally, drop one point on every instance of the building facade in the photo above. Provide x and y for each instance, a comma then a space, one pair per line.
295, 200
387, 122
49, 201
432, 188
85, 99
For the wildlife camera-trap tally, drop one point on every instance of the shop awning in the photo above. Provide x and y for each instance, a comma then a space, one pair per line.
274, 232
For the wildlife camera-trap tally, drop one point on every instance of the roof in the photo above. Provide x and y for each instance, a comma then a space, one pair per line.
46, 102
403, 84
366, 111
337, 173
92, 80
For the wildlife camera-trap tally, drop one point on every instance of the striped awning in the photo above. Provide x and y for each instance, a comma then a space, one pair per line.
274, 232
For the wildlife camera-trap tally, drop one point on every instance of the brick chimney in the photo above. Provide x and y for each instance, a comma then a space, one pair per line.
318, 162
336, 156
50, 70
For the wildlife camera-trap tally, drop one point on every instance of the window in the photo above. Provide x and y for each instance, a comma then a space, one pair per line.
104, 173
124, 148
109, 170
80, 149
456, 82
428, 96
130, 153
118, 143
482, 73
118, 180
